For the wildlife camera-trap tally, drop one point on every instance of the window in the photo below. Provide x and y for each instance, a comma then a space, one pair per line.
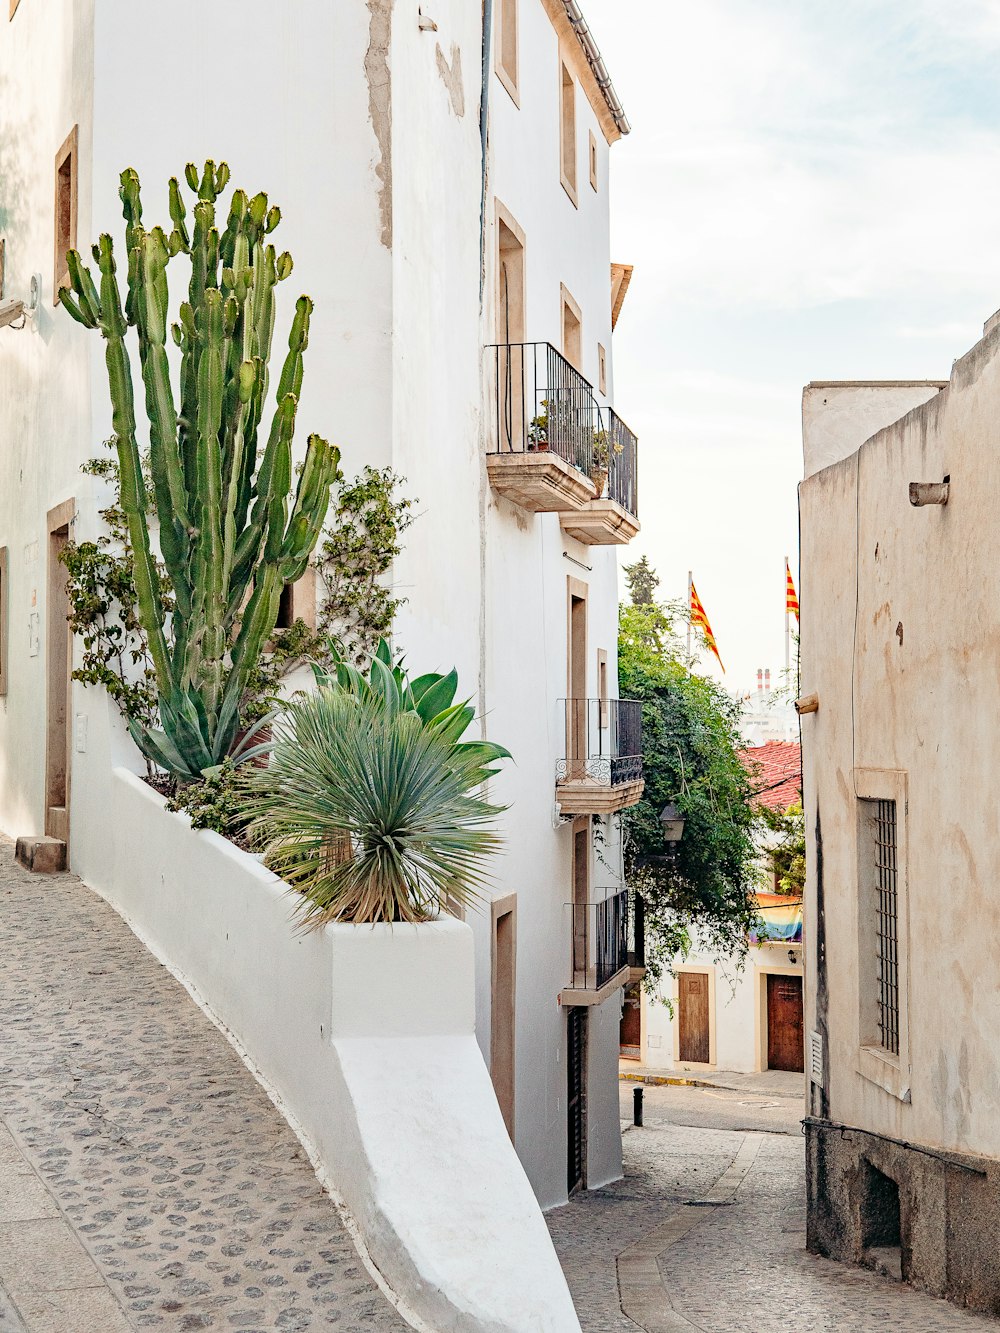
602, 685
593, 160
883, 900
3, 620
506, 54
572, 329
602, 369
298, 602
66, 208
882, 917
567, 130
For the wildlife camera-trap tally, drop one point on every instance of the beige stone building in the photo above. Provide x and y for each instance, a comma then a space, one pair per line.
901, 647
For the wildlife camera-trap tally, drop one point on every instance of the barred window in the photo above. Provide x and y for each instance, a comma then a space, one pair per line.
881, 852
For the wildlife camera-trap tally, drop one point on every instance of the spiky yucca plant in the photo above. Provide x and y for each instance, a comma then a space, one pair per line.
369, 813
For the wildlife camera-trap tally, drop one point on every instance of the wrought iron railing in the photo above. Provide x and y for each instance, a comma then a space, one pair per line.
623, 464
603, 741
541, 403
600, 941
637, 931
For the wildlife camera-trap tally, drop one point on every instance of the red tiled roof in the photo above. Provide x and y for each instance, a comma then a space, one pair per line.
775, 770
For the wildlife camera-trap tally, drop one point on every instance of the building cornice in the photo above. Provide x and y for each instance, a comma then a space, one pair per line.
588, 66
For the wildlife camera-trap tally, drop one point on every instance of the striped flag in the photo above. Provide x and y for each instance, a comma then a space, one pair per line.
699, 618
791, 597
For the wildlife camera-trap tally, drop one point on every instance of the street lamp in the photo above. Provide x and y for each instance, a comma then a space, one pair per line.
672, 823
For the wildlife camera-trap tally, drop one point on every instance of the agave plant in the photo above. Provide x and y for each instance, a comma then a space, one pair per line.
431, 697
370, 810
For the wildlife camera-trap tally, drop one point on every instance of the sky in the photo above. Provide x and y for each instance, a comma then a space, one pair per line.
809, 192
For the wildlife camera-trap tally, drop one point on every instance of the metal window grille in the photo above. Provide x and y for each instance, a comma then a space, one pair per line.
886, 923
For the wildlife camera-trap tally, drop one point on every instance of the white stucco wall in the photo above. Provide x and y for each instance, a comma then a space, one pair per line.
527, 561
374, 157
384, 1082
899, 641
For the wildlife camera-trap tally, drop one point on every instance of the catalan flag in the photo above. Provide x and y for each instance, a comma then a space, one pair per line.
791, 597
699, 618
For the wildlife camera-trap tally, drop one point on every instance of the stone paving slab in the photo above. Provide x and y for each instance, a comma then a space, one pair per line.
164, 1189
737, 1265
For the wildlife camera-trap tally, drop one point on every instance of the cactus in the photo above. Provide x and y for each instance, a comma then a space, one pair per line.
226, 537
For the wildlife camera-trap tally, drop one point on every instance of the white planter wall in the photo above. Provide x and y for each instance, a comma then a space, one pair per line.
366, 1037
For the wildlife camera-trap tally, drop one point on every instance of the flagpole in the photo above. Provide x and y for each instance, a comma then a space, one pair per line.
788, 637
689, 614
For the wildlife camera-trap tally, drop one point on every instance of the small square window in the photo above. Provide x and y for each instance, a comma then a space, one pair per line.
65, 211
593, 160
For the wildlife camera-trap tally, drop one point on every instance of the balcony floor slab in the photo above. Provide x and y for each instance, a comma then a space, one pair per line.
600, 523
585, 797
541, 482
584, 996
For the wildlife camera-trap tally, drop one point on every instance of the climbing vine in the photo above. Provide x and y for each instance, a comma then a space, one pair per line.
356, 609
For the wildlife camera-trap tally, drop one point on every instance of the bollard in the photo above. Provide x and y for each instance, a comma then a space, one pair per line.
637, 1107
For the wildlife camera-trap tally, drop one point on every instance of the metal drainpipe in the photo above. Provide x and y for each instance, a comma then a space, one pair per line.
575, 16
483, 120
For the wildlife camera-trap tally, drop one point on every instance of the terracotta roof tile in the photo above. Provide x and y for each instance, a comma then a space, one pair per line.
775, 769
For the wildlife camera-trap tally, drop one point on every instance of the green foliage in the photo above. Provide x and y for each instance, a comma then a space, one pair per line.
643, 581
103, 610
227, 540
691, 747
369, 520
368, 807
788, 851
213, 802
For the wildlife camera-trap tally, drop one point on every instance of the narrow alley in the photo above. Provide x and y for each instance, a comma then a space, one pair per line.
707, 1230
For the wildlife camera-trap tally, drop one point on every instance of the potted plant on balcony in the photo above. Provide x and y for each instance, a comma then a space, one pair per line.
602, 452
538, 430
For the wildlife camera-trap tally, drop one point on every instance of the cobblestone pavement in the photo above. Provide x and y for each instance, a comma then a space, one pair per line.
737, 1266
146, 1181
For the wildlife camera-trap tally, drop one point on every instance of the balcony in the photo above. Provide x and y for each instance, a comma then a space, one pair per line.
602, 769
637, 939
551, 448
611, 519
599, 950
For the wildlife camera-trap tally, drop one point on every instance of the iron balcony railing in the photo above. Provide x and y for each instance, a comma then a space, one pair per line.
541, 403
600, 941
603, 741
637, 931
623, 457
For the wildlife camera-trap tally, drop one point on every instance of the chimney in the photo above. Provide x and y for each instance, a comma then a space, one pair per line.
767, 681
760, 680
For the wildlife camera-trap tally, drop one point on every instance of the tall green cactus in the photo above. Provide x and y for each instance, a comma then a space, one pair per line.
227, 540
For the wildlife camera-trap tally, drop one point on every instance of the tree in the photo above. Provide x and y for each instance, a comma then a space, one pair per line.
691, 746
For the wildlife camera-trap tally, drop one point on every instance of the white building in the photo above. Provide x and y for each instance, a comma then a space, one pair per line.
462, 334
768, 713
711, 1014
899, 651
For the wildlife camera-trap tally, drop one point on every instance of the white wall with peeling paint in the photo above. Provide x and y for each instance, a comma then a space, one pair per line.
360, 143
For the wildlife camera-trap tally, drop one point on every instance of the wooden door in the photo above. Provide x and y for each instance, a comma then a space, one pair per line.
692, 1017
630, 1031
576, 1103
59, 666
504, 1013
784, 1024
